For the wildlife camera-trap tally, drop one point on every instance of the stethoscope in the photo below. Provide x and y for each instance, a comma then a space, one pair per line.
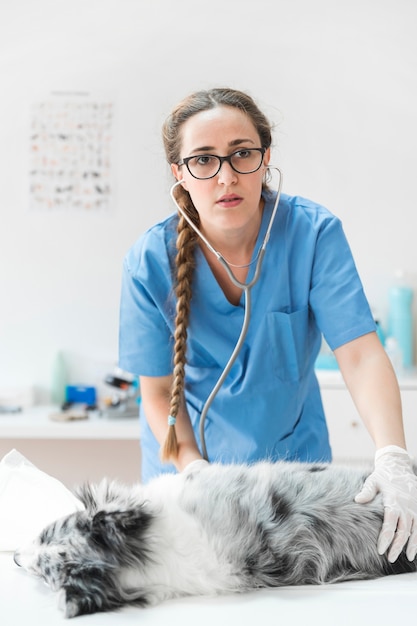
246, 288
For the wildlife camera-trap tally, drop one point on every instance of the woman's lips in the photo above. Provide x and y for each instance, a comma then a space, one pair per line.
230, 200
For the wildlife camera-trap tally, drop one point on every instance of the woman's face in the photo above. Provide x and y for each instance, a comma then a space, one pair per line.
229, 201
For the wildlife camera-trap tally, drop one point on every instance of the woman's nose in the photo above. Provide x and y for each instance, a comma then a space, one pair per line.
226, 174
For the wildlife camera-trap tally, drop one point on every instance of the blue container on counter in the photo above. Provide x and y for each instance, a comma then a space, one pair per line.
80, 394
400, 321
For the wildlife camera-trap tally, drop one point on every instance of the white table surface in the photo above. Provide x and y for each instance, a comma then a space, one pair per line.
25, 600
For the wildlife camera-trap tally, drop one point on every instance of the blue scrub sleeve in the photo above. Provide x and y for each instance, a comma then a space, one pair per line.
145, 341
337, 297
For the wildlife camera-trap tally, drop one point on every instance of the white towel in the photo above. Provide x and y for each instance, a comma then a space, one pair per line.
29, 501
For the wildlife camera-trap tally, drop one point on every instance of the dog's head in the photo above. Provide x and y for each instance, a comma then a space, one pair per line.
82, 554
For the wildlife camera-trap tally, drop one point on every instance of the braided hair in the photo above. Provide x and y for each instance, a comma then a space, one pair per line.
186, 236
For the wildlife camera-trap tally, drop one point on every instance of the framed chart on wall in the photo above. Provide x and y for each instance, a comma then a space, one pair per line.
71, 152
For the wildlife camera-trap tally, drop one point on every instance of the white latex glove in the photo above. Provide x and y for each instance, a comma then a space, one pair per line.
394, 478
196, 465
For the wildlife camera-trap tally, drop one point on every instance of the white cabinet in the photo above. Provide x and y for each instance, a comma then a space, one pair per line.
74, 452
349, 438
409, 400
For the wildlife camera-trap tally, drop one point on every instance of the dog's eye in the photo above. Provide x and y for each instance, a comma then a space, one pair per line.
62, 554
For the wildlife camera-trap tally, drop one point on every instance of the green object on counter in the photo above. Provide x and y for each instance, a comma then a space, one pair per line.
59, 379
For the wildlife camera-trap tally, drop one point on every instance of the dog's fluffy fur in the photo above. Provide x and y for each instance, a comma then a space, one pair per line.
220, 529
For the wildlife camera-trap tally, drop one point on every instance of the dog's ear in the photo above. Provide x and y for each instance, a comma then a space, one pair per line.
111, 528
88, 495
98, 496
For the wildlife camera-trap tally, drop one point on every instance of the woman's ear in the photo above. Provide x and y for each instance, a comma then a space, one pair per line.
267, 157
175, 169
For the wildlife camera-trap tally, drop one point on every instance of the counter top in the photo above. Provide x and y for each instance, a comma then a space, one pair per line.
35, 423
332, 379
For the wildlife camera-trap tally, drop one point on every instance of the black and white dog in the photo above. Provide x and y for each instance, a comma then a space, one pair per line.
216, 530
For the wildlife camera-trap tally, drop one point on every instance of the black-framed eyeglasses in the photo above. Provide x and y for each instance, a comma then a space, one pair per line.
204, 166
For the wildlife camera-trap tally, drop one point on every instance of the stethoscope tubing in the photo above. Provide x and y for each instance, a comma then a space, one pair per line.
246, 287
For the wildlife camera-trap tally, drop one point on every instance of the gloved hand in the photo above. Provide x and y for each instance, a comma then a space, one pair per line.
196, 465
393, 476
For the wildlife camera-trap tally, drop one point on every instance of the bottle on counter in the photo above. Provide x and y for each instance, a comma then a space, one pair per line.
400, 319
59, 380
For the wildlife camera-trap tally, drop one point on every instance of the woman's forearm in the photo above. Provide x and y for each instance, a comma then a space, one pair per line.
155, 392
373, 385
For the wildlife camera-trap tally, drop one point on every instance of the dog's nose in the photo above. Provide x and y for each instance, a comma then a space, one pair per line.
16, 558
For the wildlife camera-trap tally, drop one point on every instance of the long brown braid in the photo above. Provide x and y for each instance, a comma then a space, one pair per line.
187, 238
186, 241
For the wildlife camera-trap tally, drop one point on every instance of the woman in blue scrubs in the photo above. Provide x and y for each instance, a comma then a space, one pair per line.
181, 317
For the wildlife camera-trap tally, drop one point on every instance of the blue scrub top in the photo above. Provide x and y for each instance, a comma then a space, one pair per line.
269, 406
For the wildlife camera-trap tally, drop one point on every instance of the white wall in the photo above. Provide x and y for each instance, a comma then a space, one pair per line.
338, 78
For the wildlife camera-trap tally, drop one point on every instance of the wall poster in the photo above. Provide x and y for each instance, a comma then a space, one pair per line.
71, 137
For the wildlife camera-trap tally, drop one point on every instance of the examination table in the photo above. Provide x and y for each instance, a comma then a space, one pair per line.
26, 493
26, 601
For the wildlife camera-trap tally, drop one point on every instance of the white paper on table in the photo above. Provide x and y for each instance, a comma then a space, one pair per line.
30, 499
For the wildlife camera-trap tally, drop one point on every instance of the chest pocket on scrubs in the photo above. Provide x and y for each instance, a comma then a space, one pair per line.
289, 335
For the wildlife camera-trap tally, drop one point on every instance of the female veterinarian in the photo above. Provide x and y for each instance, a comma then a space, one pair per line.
241, 267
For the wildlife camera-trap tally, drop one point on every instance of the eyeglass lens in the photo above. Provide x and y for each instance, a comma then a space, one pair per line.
242, 161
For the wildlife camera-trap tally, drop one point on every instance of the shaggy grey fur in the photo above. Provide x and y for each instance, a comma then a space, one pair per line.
217, 530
